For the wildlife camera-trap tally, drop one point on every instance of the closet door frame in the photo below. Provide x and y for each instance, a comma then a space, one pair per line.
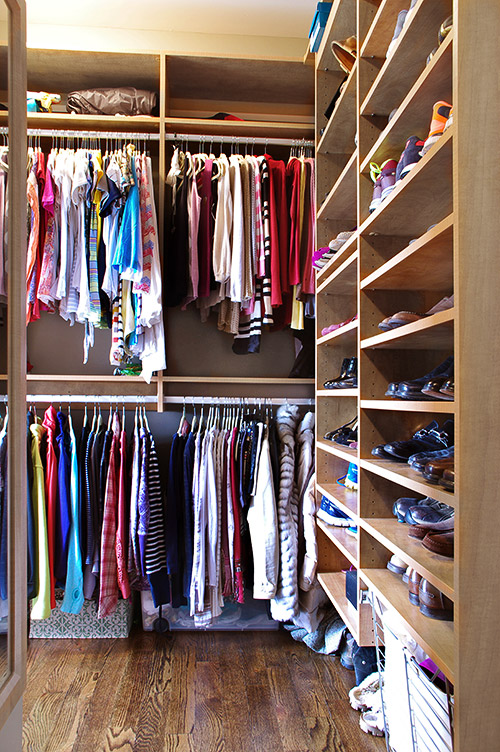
14, 682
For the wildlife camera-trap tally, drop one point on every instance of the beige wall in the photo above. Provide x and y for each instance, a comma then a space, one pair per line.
114, 39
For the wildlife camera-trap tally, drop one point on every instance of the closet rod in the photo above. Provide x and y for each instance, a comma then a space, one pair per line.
234, 400
239, 139
56, 133
98, 399
150, 400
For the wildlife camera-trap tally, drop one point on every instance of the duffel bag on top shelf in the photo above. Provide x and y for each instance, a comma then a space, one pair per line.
126, 100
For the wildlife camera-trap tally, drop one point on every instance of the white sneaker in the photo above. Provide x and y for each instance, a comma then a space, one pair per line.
372, 722
363, 696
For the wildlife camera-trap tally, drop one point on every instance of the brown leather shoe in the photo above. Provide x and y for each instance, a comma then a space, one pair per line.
448, 479
420, 531
433, 603
414, 579
433, 471
440, 543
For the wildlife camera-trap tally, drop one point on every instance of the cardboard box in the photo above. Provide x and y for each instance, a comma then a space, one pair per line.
318, 25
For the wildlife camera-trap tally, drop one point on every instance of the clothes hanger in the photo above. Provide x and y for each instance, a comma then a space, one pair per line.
183, 418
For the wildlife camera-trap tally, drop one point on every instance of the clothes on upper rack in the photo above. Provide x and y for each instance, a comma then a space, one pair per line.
241, 241
93, 251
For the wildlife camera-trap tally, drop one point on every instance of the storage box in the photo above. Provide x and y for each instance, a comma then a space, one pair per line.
318, 25
253, 615
351, 587
85, 624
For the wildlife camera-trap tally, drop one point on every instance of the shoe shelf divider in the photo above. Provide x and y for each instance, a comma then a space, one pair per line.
346, 543
402, 474
341, 200
348, 333
391, 404
338, 136
338, 259
348, 268
344, 498
434, 332
381, 30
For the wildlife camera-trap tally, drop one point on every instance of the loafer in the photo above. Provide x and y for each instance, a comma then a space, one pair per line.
448, 390
392, 389
433, 603
419, 461
414, 579
440, 543
379, 451
434, 470
432, 388
448, 479
412, 389
429, 438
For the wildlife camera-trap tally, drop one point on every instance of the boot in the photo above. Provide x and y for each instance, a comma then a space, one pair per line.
343, 373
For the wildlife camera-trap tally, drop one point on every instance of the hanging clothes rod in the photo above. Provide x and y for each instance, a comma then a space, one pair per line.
246, 140
151, 400
56, 133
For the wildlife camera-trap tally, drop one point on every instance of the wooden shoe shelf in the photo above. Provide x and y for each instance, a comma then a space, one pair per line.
434, 235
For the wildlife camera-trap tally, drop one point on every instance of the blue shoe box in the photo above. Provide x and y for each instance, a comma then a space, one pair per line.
318, 25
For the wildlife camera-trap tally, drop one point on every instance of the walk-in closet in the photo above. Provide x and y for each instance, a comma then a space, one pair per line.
247, 409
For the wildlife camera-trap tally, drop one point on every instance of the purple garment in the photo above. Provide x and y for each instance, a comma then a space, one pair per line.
205, 229
143, 504
63, 508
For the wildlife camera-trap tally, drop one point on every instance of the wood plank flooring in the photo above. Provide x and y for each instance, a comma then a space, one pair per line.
191, 692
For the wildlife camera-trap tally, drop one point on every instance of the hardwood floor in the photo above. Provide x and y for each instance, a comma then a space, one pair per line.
192, 692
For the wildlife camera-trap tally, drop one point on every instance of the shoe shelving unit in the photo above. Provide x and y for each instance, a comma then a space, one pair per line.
434, 235
275, 98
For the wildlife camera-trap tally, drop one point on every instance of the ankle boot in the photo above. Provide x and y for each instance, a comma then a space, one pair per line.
343, 373
350, 380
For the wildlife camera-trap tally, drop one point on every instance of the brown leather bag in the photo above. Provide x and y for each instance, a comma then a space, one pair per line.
126, 100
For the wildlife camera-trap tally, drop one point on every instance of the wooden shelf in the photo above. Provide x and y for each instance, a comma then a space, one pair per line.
341, 201
415, 112
345, 275
428, 184
346, 543
404, 475
426, 264
400, 71
348, 334
333, 583
263, 128
337, 393
338, 136
381, 31
67, 122
394, 535
425, 406
342, 18
432, 333
350, 455
435, 637
344, 498
337, 260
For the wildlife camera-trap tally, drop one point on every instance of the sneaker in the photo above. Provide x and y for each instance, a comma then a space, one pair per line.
397, 565
401, 505
372, 722
319, 255
410, 155
397, 31
449, 122
331, 514
440, 114
377, 188
351, 479
353, 531
388, 177
363, 697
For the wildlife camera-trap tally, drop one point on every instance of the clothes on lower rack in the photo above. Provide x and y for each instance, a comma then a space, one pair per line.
233, 508
241, 241
93, 253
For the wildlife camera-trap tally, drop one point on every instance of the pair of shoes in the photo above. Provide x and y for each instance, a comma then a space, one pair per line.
438, 537
421, 511
428, 386
384, 178
429, 439
334, 327
419, 461
346, 53
348, 377
400, 22
321, 257
396, 565
434, 470
345, 434
331, 514
429, 599
441, 113
408, 317
443, 32
364, 696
